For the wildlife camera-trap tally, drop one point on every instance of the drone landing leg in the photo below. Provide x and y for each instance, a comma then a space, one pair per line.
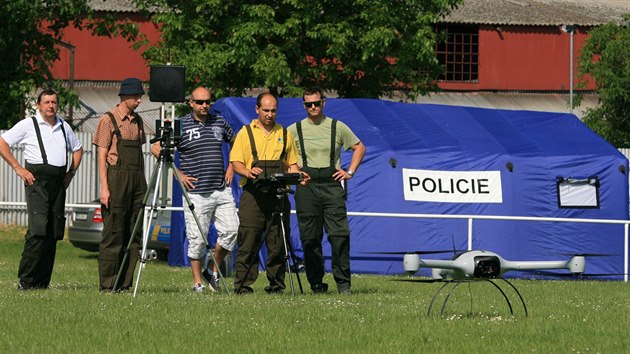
517, 293
457, 283
504, 295
437, 293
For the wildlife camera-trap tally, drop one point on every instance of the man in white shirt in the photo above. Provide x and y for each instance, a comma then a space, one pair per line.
47, 141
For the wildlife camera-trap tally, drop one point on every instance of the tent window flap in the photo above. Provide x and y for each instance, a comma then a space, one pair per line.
578, 192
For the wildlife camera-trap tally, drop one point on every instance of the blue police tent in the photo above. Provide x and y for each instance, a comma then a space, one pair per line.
446, 160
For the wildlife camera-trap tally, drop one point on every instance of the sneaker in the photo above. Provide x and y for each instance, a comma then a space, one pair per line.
214, 283
198, 288
207, 275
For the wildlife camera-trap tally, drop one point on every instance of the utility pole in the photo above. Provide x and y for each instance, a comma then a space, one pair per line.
71, 78
570, 29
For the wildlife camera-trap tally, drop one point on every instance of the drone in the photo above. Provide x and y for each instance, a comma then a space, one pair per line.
484, 265
480, 265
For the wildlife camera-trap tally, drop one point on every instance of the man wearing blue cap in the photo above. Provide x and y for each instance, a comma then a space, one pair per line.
119, 138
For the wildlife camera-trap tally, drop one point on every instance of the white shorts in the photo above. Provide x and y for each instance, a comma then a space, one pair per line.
217, 206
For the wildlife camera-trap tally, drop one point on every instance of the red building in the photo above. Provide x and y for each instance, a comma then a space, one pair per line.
501, 53
106, 59
523, 45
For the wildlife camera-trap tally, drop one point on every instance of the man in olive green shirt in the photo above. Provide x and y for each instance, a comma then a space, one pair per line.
322, 203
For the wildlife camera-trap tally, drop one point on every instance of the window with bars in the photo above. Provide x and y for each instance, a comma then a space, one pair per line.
460, 53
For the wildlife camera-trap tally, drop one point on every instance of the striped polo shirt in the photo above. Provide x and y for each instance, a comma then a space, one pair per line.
201, 151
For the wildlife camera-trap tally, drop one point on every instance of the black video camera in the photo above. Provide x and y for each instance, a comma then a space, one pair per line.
287, 178
168, 132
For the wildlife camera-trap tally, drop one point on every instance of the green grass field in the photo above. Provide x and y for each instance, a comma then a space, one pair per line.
382, 315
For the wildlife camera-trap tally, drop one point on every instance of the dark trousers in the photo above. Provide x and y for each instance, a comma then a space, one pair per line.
255, 211
127, 189
45, 203
322, 206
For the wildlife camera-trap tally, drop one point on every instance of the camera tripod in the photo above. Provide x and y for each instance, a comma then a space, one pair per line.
277, 217
165, 161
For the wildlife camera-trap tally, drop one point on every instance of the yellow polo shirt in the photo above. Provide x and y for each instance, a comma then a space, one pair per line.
268, 146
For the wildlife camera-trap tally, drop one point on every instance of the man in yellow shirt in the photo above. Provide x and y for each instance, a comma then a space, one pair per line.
261, 149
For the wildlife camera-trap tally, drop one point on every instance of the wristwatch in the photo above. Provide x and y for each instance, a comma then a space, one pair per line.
350, 172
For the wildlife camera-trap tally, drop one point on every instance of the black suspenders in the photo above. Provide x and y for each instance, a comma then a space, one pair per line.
253, 143
333, 133
41, 143
116, 129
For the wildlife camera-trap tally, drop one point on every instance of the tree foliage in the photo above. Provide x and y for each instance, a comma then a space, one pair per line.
29, 35
359, 48
605, 58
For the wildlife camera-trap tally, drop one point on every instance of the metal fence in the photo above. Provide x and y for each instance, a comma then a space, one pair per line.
83, 189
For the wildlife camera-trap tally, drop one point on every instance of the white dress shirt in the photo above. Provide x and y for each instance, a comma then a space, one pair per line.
23, 132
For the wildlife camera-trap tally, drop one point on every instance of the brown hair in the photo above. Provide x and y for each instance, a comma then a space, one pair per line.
259, 97
313, 90
46, 92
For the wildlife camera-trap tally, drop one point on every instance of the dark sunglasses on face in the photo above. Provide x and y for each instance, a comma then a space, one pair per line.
200, 102
310, 104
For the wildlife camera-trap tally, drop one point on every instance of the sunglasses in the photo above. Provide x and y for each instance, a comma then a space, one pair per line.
200, 102
310, 104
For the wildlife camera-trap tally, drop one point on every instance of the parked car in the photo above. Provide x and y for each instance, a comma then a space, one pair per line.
86, 226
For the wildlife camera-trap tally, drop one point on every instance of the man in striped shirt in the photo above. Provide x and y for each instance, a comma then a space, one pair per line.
203, 173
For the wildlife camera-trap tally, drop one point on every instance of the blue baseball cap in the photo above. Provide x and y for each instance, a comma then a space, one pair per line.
131, 86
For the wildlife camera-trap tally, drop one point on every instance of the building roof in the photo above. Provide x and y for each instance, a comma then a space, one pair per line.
113, 5
540, 102
493, 12
539, 12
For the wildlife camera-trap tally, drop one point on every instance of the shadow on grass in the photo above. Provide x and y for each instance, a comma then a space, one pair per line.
75, 286
89, 256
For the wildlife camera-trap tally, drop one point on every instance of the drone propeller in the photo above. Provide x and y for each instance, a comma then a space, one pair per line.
589, 254
455, 251
417, 280
601, 274
419, 252
572, 275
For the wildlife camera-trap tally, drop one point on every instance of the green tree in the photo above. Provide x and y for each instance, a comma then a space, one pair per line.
359, 48
605, 59
29, 34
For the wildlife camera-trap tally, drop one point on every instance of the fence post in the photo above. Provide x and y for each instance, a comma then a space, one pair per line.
625, 252
470, 231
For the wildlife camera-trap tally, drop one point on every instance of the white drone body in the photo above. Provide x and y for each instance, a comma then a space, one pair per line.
484, 265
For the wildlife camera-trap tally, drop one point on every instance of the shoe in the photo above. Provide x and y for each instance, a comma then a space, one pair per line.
344, 288
244, 290
212, 280
270, 290
298, 266
214, 283
198, 288
24, 286
206, 275
321, 288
